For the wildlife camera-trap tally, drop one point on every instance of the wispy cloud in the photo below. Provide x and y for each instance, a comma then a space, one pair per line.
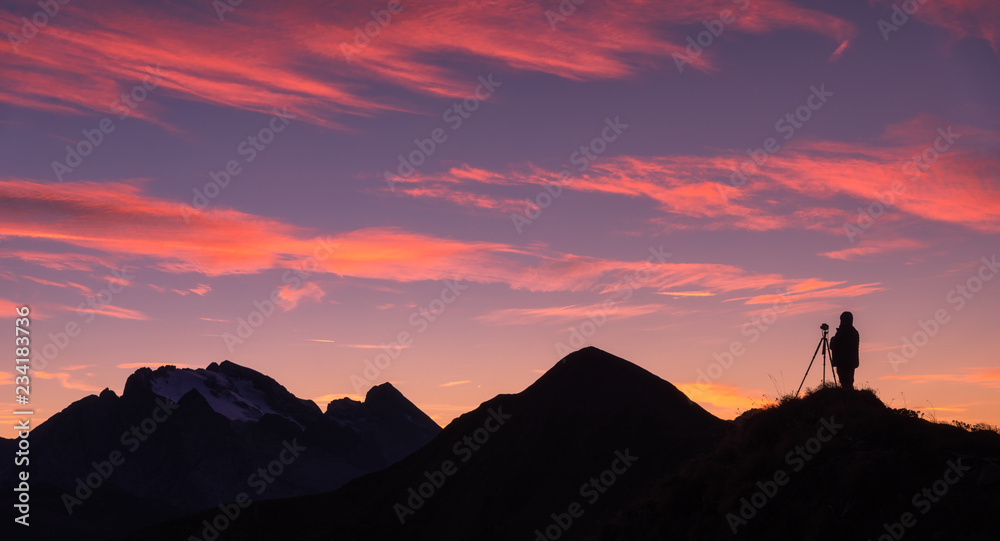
290, 296
45, 282
817, 291
109, 310
222, 241
873, 247
55, 261
988, 376
107, 52
201, 290
64, 379
697, 192
962, 18
702, 293
454, 383
77, 367
9, 307
560, 314
372, 346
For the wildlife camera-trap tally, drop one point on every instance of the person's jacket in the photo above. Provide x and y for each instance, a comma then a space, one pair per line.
844, 347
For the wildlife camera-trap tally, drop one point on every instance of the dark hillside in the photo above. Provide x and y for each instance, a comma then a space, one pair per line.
858, 485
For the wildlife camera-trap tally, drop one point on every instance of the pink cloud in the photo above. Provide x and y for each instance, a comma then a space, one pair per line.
109, 310
371, 346
290, 296
108, 52
77, 367
987, 376
122, 221
55, 261
556, 314
201, 290
962, 18
791, 189
824, 292
64, 379
872, 247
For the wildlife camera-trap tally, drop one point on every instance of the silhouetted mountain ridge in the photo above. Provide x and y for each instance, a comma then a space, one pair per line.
516, 459
192, 438
690, 475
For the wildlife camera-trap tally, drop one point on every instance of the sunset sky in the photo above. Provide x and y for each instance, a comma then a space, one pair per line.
497, 183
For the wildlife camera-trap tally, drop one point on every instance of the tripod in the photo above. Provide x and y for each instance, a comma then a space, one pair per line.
824, 344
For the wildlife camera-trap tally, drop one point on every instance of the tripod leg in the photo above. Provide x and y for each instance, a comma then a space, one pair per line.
810, 366
832, 369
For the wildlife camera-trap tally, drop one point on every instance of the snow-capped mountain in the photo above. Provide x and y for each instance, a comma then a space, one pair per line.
190, 439
235, 392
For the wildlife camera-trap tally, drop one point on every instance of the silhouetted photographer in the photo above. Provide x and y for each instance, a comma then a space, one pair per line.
844, 350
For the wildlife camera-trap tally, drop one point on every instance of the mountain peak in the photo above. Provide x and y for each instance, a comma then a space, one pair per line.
592, 366
236, 392
383, 391
591, 379
228, 420
386, 405
593, 356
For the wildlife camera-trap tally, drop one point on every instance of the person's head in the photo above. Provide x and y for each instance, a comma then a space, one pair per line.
846, 319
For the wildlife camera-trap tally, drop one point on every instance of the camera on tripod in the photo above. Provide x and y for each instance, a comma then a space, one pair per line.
824, 345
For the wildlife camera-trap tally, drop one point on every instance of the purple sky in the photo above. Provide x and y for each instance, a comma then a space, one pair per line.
663, 242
